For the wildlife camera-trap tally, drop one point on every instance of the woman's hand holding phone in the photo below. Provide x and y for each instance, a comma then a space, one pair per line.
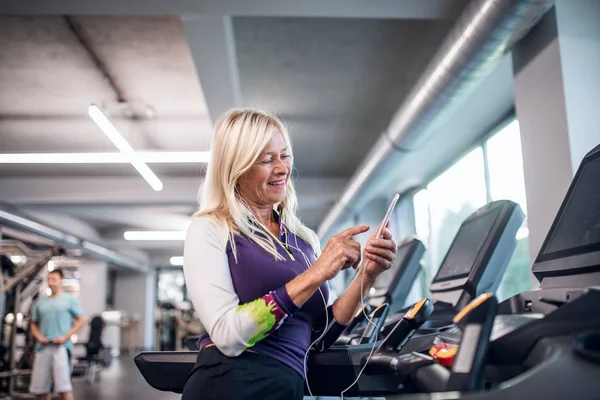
380, 250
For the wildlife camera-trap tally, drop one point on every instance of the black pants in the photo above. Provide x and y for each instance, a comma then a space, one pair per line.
249, 376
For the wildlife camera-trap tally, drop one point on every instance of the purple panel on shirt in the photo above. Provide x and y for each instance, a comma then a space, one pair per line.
256, 273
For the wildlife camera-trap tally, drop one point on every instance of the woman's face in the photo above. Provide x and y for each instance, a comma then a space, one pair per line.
266, 181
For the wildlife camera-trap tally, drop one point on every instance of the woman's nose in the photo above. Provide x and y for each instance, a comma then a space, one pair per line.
280, 168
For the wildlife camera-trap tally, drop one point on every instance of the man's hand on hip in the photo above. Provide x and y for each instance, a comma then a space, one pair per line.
60, 340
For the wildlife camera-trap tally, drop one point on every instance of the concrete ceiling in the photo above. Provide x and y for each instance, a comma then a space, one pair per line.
335, 71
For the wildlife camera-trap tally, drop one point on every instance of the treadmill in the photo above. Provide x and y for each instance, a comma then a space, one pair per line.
543, 343
390, 291
474, 264
394, 285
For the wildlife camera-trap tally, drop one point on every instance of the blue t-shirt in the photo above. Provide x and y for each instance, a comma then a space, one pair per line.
55, 316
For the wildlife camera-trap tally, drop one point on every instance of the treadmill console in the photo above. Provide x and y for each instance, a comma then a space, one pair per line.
393, 285
478, 255
474, 264
570, 254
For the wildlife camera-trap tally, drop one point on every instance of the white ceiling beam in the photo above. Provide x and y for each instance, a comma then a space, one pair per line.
66, 222
128, 216
150, 157
212, 44
401, 9
312, 192
88, 190
118, 243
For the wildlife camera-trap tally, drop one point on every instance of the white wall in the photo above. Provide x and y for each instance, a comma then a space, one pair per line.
557, 91
578, 24
540, 106
92, 295
135, 294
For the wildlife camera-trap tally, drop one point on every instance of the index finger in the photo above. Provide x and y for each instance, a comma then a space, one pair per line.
355, 230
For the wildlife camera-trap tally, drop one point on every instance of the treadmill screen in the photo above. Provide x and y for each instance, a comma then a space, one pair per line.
578, 230
386, 277
467, 244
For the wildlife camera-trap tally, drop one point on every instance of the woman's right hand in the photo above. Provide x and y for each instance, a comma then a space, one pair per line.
340, 252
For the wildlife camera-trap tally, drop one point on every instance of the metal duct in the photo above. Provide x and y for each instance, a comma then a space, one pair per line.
10, 218
482, 34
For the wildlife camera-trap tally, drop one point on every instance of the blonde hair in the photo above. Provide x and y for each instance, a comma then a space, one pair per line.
240, 136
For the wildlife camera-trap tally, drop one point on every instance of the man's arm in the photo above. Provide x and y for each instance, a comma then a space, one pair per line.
78, 320
77, 325
35, 331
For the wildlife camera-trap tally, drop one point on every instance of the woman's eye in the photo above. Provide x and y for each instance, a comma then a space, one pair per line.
266, 162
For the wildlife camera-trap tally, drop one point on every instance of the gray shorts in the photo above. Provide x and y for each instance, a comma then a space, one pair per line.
51, 363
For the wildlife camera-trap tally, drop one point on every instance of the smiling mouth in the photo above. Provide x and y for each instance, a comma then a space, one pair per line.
277, 183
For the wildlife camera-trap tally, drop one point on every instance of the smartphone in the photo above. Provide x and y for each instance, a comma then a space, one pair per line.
388, 214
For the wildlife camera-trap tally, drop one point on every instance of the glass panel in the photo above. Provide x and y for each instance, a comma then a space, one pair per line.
421, 204
507, 182
453, 196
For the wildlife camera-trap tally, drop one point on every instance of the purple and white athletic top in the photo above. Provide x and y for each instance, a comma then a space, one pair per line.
244, 303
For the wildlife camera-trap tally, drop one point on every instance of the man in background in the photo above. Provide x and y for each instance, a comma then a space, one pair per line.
55, 319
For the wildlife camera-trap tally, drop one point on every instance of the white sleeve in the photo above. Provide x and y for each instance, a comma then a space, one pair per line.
232, 327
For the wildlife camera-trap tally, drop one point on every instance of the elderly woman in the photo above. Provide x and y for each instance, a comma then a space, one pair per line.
256, 274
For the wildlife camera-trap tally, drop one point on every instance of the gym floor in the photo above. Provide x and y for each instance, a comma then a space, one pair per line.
120, 381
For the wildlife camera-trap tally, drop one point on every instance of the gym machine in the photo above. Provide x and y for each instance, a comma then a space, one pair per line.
474, 264
20, 284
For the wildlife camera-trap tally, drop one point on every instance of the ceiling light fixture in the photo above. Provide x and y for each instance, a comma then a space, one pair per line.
118, 140
176, 260
152, 157
154, 235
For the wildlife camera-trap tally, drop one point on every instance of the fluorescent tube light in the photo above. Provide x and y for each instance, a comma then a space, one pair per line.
154, 235
176, 260
156, 157
113, 134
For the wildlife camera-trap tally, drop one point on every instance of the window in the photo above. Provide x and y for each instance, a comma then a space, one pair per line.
506, 181
452, 197
421, 207
449, 199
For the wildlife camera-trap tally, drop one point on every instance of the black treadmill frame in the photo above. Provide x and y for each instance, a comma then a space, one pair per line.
579, 263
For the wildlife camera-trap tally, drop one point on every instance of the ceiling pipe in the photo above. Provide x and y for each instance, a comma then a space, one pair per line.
481, 36
9, 217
